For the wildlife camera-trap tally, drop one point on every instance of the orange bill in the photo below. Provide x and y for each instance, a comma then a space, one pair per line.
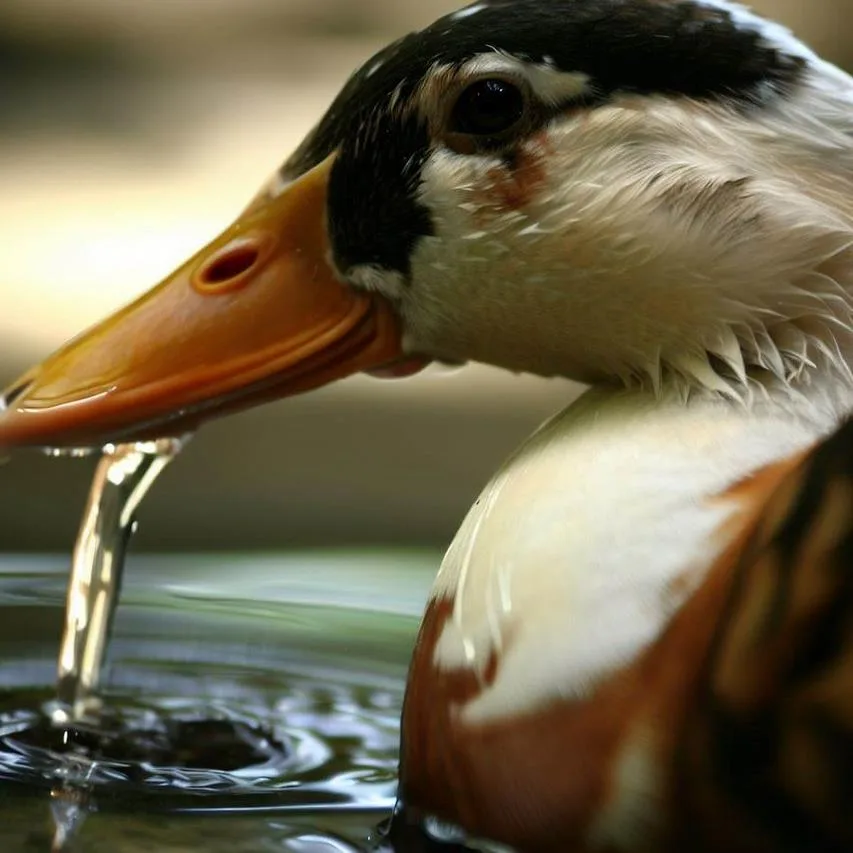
256, 315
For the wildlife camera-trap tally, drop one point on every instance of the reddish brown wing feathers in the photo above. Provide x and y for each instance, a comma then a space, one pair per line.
767, 754
749, 690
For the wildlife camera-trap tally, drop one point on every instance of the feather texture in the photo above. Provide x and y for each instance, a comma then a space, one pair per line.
768, 744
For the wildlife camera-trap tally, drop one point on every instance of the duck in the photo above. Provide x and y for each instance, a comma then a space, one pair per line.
638, 639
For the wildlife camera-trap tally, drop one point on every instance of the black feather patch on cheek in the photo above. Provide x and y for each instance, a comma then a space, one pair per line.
373, 211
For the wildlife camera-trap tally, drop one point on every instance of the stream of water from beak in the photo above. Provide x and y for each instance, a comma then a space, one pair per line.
124, 475
122, 478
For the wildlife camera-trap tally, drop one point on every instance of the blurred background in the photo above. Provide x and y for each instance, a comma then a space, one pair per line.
130, 134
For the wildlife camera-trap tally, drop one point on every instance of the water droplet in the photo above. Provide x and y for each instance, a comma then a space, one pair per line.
68, 808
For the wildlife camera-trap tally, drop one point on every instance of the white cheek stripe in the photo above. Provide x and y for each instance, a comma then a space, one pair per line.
549, 84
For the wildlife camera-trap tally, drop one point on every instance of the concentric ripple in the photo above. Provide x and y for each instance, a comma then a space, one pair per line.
268, 688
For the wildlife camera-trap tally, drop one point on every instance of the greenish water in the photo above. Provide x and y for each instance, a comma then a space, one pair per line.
303, 656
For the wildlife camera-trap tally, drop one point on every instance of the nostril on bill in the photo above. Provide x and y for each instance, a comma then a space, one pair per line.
228, 268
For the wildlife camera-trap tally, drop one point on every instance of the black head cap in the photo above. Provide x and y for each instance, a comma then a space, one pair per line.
678, 47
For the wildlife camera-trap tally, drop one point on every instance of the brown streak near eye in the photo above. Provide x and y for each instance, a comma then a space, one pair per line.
512, 187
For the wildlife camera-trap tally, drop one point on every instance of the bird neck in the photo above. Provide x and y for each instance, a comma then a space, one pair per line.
792, 373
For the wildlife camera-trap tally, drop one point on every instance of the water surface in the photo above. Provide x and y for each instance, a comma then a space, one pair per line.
287, 673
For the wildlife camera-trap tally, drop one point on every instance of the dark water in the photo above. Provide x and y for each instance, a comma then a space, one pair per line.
251, 704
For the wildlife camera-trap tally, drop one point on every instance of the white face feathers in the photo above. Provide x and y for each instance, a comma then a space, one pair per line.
674, 240
653, 239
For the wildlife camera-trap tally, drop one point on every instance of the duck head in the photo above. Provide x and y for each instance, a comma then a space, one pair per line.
618, 191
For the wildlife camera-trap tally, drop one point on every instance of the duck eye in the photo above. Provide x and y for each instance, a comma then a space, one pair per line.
487, 108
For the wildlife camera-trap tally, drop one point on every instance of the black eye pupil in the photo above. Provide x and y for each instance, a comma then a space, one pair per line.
488, 108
